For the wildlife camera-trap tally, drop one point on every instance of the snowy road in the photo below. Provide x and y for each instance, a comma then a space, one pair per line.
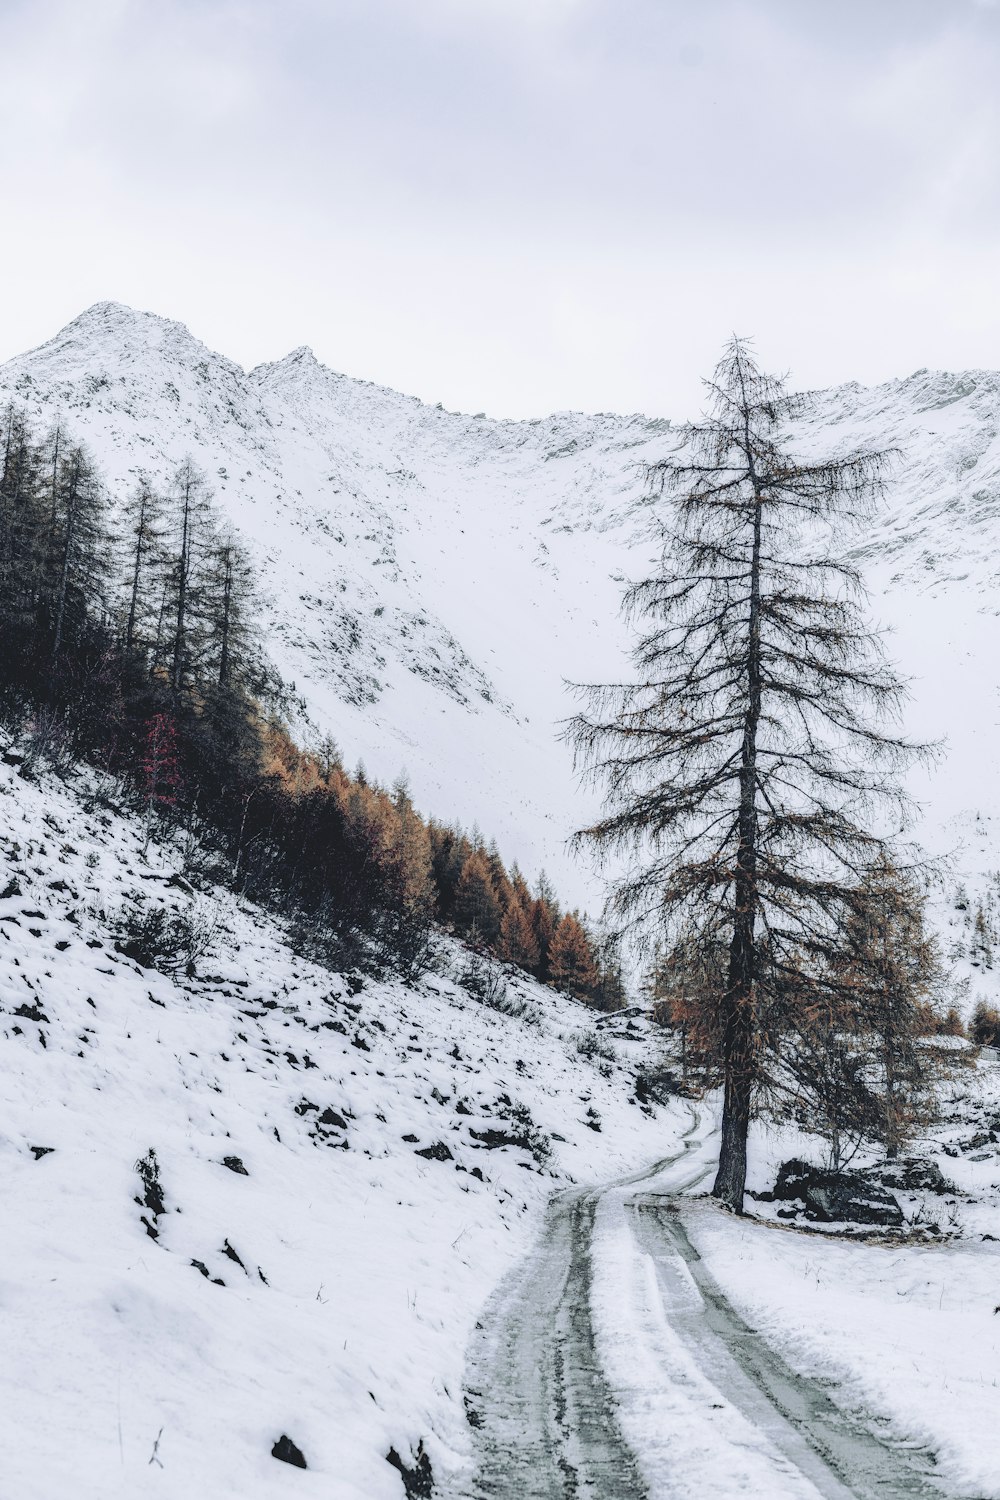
610, 1366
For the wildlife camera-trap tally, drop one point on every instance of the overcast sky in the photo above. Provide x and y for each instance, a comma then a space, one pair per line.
513, 205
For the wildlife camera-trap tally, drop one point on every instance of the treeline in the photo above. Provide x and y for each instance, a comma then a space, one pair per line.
127, 638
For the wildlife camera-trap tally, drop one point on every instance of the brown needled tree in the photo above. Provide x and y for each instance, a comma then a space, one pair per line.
747, 767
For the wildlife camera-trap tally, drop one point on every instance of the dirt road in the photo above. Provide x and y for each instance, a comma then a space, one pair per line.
546, 1416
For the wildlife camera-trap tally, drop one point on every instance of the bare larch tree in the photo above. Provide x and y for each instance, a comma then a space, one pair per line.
751, 770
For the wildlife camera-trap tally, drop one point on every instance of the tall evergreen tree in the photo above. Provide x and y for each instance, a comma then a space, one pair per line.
518, 943
892, 970
21, 528
143, 525
543, 926
228, 599
571, 959
192, 527
477, 909
746, 767
75, 568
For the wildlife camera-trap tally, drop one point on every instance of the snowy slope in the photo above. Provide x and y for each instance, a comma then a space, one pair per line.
431, 578
165, 1366
434, 579
312, 1274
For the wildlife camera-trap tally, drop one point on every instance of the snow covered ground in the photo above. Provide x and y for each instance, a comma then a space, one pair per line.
653, 1347
904, 1325
323, 1284
907, 1331
310, 1274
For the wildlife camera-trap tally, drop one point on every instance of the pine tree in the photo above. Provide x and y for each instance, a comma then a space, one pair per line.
21, 519
984, 1027
228, 610
830, 1087
143, 518
502, 888
892, 971
518, 942
74, 568
684, 984
609, 992
412, 889
543, 926
192, 526
449, 851
476, 911
744, 767
571, 959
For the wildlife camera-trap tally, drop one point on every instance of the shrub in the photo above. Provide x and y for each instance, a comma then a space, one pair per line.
486, 981
595, 1048
984, 1028
159, 937
484, 978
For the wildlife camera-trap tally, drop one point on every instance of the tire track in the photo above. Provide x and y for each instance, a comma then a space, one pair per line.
543, 1411
833, 1446
545, 1414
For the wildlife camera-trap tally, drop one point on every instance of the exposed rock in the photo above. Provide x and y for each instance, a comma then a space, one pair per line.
438, 1152
289, 1452
493, 1140
235, 1165
200, 1265
418, 1478
911, 1174
31, 1013
836, 1197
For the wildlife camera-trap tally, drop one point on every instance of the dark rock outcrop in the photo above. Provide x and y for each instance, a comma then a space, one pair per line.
837, 1197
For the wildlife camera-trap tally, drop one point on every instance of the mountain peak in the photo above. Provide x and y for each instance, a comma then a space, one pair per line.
119, 317
114, 334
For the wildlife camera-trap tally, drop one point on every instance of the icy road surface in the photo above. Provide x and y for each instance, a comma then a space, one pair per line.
611, 1366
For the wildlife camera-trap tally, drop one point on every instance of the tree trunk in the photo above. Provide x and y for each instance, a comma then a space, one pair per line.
738, 1029
72, 505
227, 604
183, 565
730, 1181
892, 1131
140, 537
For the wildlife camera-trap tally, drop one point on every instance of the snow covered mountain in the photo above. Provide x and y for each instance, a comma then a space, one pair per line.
254, 1201
433, 580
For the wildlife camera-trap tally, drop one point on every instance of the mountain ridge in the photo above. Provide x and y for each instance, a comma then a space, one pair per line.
434, 579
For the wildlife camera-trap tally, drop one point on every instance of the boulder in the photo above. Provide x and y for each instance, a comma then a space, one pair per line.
837, 1197
288, 1452
911, 1174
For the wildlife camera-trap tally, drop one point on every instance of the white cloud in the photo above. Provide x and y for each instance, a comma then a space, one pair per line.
513, 205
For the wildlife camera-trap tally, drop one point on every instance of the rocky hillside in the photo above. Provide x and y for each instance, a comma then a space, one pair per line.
246, 1198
